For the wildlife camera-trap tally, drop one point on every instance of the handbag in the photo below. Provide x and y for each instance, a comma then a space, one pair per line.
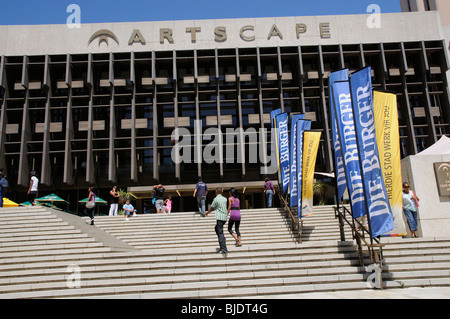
90, 204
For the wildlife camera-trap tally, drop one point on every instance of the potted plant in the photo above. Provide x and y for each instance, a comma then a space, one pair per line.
319, 189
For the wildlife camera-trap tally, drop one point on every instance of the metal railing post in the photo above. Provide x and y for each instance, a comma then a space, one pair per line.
299, 230
375, 249
296, 223
341, 223
360, 252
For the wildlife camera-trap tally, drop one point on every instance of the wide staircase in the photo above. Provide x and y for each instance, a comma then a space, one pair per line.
51, 254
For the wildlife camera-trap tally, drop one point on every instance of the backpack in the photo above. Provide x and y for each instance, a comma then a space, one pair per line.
3, 182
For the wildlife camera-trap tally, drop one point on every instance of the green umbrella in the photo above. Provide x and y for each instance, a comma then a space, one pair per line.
28, 203
98, 200
51, 198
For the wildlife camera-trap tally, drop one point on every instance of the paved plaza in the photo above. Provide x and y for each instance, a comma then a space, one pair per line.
404, 293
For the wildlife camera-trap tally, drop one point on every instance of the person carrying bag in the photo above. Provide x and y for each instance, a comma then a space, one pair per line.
90, 205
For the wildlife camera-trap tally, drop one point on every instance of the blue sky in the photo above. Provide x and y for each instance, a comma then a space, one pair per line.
97, 11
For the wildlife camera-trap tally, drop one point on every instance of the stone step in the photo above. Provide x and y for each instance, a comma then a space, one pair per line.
48, 249
36, 226
186, 254
314, 252
37, 236
26, 223
43, 231
213, 289
139, 269
35, 244
16, 211
175, 256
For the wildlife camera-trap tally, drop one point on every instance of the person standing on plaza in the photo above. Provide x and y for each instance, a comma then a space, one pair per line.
269, 191
201, 191
235, 215
3, 186
113, 201
410, 204
90, 204
33, 188
159, 203
219, 205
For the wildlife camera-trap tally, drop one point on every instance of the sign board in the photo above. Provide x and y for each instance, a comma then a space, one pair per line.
442, 171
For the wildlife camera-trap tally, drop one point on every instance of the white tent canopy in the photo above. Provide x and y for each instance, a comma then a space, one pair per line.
440, 147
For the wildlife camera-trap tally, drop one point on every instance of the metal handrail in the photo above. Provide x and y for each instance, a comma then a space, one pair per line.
374, 247
296, 224
360, 233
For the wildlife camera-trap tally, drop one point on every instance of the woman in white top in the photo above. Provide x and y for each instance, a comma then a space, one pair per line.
33, 188
410, 204
113, 201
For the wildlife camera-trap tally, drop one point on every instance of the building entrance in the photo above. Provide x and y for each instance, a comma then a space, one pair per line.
251, 196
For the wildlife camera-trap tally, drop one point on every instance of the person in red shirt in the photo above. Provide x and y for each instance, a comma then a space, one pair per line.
269, 190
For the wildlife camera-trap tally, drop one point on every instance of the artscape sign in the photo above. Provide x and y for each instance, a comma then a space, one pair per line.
220, 35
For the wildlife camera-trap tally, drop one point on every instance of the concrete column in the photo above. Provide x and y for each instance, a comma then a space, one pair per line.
155, 121
24, 172
68, 166
3, 117
46, 167
133, 157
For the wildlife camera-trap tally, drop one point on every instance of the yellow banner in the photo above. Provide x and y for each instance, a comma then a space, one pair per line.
388, 140
311, 142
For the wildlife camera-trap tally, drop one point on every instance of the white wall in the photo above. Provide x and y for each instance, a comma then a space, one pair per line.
434, 210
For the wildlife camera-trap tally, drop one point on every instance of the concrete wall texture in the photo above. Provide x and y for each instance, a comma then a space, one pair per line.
434, 210
351, 29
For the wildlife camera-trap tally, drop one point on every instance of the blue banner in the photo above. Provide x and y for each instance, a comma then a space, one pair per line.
282, 126
377, 201
293, 184
302, 125
338, 159
346, 129
273, 114
274, 140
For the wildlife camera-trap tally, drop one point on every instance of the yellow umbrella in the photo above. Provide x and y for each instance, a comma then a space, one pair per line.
9, 203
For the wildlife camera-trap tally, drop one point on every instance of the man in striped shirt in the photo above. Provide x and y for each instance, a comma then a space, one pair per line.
219, 205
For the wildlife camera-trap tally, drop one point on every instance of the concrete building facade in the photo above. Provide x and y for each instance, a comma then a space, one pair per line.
98, 104
442, 6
